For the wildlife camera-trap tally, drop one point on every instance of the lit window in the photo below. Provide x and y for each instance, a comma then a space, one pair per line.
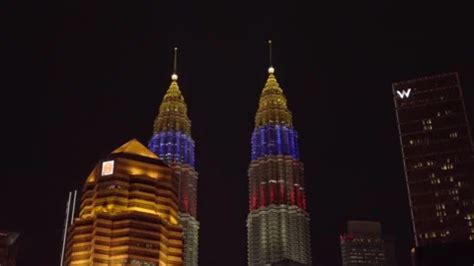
418, 165
427, 128
447, 166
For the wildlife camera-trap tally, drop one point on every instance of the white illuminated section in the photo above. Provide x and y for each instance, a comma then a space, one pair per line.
107, 168
404, 93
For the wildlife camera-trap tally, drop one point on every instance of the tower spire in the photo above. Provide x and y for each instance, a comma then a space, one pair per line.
271, 69
278, 225
175, 65
173, 143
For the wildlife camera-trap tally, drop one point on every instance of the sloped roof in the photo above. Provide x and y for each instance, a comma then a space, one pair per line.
135, 147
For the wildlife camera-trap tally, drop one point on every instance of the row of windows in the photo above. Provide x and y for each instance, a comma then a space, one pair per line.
450, 192
448, 166
445, 167
433, 234
444, 113
425, 141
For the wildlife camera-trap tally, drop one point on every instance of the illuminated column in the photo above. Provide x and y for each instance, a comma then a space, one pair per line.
172, 141
128, 214
278, 222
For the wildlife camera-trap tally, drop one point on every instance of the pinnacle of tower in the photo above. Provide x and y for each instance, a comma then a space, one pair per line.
273, 107
272, 86
173, 93
136, 148
173, 112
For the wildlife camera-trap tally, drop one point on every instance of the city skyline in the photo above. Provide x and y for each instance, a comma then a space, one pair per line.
93, 79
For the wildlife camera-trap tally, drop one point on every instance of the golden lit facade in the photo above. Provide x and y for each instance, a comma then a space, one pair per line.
172, 142
128, 213
278, 222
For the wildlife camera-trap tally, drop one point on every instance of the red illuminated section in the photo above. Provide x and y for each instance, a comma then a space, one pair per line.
276, 180
346, 238
276, 193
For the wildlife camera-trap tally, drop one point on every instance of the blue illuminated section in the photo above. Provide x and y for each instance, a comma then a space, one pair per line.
274, 140
173, 147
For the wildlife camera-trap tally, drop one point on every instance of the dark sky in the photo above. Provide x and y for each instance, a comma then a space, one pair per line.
81, 77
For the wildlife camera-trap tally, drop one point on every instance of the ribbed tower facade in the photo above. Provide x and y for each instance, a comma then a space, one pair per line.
172, 141
278, 222
128, 213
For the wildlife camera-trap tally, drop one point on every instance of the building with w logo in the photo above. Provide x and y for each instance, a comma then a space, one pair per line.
438, 159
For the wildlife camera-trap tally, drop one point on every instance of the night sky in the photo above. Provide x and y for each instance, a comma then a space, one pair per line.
82, 77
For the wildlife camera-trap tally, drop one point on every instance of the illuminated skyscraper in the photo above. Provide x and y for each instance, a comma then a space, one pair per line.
172, 141
8, 248
278, 223
364, 245
437, 152
128, 214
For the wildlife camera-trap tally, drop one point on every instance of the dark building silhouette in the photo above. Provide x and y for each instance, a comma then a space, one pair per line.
452, 254
8, 248
364, 245
437, 154
287, 263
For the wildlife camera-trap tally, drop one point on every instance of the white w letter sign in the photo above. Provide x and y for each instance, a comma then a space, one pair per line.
404, 93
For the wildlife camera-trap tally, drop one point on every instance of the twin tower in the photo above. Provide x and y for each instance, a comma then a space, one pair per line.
139, 205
